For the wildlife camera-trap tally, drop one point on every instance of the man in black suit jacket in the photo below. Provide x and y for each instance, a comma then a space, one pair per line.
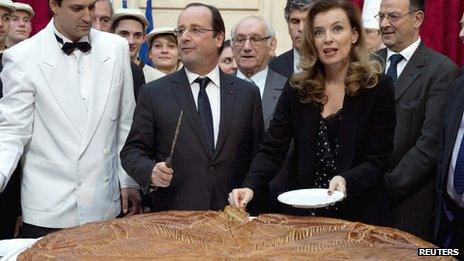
295, 15
216, 142
449, 219
422, 80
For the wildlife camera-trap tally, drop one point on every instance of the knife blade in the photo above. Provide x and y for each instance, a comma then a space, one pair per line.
174, 141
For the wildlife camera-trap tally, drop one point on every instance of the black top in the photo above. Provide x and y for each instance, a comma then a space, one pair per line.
326, 153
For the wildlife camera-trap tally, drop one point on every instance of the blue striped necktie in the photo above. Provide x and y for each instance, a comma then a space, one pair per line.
393, 69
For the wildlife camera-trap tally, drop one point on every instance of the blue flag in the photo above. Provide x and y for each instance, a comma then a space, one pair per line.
144, 49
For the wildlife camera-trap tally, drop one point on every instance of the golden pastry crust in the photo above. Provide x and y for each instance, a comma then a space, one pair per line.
187, 235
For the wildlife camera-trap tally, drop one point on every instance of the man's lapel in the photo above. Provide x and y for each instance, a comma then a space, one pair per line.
58, 76
411, 72
228, 100
102, 82
183, 93
270, 96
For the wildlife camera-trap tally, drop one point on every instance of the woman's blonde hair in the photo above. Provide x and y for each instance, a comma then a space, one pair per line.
363, 71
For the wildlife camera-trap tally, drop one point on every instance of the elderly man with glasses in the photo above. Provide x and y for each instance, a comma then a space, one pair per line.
422, 79
220, 128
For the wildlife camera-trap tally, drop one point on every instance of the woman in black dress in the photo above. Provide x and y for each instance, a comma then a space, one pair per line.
340, 112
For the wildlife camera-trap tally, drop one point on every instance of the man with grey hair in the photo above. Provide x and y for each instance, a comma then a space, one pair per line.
295, 15
103, 14
253, 40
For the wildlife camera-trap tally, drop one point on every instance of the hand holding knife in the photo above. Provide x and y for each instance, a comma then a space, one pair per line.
160, 177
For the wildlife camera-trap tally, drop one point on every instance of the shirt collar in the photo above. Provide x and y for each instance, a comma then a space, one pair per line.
258, 78
296, 60
213, 76
407, 52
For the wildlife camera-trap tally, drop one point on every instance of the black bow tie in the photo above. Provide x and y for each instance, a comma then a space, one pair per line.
68, 48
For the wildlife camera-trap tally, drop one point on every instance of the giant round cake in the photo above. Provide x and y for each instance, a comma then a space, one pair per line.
187, 235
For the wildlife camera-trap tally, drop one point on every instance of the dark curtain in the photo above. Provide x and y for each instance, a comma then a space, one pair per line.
42, 15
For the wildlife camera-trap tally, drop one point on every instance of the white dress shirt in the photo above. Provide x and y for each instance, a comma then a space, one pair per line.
80, 65
296, 61
406, 53
214, 95
259, 79
459, 199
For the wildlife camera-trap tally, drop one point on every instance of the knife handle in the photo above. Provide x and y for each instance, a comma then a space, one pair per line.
167, 162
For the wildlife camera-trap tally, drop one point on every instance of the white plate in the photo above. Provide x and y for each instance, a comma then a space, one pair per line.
310, 198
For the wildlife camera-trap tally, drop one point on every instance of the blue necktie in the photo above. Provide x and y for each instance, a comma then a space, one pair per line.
204, 111
394, 61
459, 170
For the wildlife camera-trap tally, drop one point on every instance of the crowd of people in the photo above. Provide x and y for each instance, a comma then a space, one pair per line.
359, 105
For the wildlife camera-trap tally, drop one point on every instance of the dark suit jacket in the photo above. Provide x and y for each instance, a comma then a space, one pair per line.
272, 89
453, 118
283, 64
421, 92
201, 180
366, 143
138, 78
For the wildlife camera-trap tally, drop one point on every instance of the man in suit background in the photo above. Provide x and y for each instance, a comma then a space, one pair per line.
449, 219
20, 24
449, 205
66, 112
295, 15
253, 39
221, 127
102, 22
422, 79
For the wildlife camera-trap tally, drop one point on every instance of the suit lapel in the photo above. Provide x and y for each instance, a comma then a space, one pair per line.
57, 74
411, 72
348, 132
184, 97
453, 123
270, 96
102, 74
228, 100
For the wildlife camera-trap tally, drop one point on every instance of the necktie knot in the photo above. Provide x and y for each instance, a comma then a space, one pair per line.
395, 59
203, 82
393, 69
68, 48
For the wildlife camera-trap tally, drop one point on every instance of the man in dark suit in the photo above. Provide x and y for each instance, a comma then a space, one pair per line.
422, 80
449, 219
221, 127
253, 39
295, 15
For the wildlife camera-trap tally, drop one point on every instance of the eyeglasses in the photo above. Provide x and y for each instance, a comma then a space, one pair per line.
255, 40
392, 17
195, 30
